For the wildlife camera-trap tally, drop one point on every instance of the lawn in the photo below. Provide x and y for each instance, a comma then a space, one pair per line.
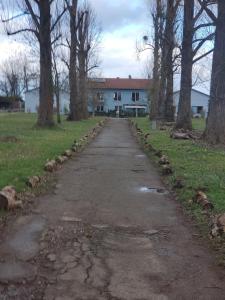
200, 167
26, 155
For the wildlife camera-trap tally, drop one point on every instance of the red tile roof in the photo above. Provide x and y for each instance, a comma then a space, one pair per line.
121, 83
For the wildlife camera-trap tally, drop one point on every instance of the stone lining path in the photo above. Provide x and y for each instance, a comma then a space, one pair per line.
109, 230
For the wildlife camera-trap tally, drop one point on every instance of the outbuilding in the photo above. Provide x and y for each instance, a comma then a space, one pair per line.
32, 101
199, 102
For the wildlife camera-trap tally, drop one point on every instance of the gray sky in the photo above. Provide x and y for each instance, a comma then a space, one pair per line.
122, 22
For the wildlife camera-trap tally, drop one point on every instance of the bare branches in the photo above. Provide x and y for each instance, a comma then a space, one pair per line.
204, 4
33, 15
202, 56
58, 18
202, 42
23, 30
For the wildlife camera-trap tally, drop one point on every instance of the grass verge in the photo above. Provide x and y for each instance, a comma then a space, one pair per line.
199, 166
24, 149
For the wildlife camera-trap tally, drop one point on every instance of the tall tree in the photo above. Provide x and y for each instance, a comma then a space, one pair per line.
165, 107
75, 107
158, 23
37, 16
83, 41
184, 107
83, 49
215, 126
193, 26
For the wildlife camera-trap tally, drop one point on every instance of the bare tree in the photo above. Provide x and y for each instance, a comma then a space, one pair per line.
37, 20
83, 49
82, 44
165, 106
88, 40
18, 75
158, 17
75, 108
215, 126
194, 24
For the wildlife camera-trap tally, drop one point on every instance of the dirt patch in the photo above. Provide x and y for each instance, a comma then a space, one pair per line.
9, 139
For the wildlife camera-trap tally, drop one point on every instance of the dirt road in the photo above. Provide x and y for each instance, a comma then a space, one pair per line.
110, 230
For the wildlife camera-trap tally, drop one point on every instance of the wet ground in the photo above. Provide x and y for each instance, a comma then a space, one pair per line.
110, 230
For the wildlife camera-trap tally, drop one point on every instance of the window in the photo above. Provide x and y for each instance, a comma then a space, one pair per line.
135, 96
100, 96
197, 109
100, 108
117, 96
116, 108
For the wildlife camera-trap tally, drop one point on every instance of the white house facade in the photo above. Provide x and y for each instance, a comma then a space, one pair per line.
128, 95
199, 102
32, 101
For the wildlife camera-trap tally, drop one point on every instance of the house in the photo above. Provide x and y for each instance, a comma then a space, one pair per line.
199, 102
128, 95
32, 101
11, 103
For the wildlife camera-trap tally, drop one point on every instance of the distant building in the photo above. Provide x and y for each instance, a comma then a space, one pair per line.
199, 102
32, 101
11, 103
127, 95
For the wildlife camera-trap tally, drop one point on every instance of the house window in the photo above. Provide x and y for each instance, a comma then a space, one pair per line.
117, 96
100, 108
197, 109
118, 107
135, 96
100, 96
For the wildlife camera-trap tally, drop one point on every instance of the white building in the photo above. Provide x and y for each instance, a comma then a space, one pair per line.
199, 102
32, 101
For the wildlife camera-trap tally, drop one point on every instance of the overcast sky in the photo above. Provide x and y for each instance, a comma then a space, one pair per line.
122, 22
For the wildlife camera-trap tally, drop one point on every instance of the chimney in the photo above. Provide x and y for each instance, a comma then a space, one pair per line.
129, 77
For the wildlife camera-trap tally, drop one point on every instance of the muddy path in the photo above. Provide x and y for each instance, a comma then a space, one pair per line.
108, 230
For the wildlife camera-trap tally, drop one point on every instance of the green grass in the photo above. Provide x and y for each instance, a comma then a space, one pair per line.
199, 166
198, 124
27, 156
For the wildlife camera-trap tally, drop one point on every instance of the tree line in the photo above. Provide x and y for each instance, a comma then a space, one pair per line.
186, 31
65, 33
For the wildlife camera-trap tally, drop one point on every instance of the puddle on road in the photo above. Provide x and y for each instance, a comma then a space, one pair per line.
145, 189
141, 155
138, 170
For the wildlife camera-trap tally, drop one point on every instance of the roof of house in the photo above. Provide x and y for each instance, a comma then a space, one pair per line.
121, 83
194, 91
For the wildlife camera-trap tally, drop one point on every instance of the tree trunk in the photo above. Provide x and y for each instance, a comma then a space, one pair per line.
57, 96
83, 84
215, 126
165, 106
156, 80
56, 89
169, 107
171, 16
45, 111
184, 108
75, 109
